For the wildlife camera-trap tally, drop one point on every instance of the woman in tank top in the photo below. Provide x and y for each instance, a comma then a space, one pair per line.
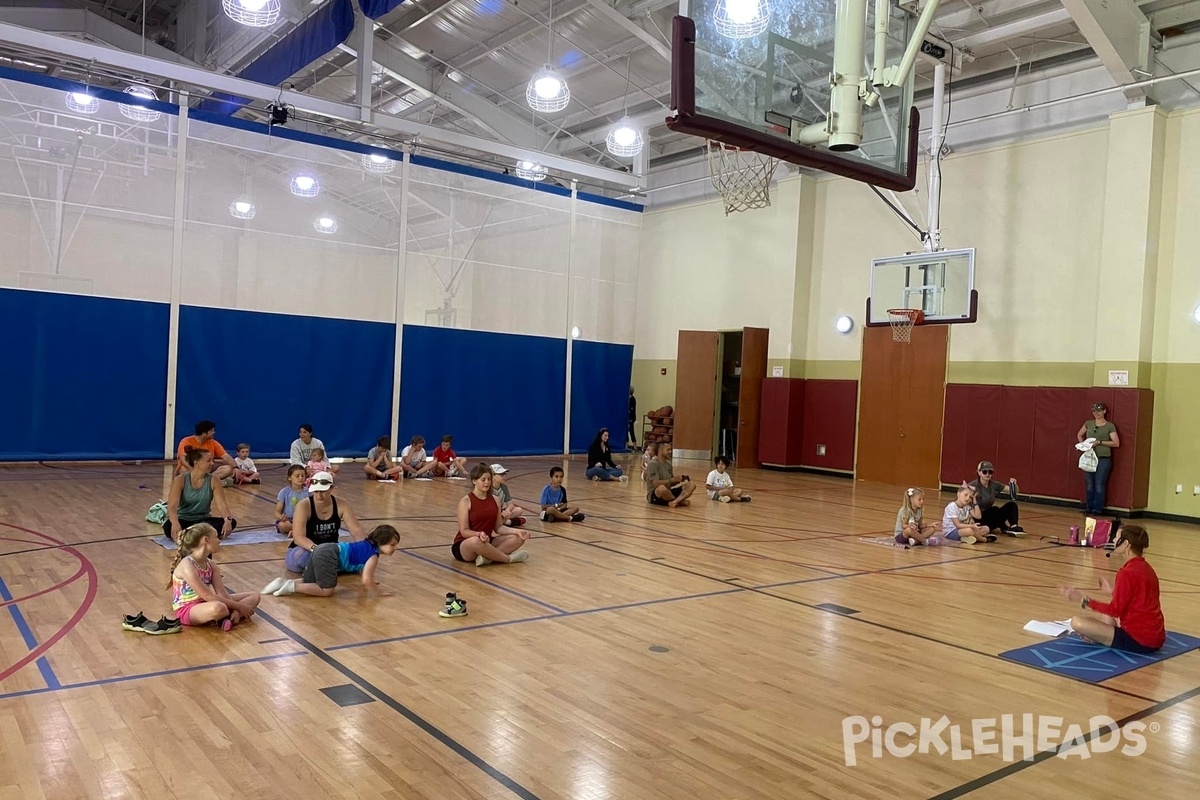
482, 535
318, 522
193, 495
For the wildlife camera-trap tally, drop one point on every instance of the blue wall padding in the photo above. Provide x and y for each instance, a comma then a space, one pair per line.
259, 376
84, 377
377, 8
308, 41
600, 381
497, 394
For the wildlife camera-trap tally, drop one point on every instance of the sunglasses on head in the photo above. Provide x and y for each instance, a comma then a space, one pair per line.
323, 482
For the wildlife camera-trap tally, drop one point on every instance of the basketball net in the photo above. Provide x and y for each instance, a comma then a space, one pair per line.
902, 321
742, 177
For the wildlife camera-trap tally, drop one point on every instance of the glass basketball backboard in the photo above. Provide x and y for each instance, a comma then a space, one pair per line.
941, 285
758, 75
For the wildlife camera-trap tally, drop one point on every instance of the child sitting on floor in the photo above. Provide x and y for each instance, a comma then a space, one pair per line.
720, 485
415, 461
513, 514
649, 453
244, 469
911, 527
379, 464
957, 523
316, 463
288, 498
554, 501
198, 595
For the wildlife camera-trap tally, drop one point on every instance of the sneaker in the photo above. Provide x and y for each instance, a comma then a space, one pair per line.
725, 498
991, 537
1017, 530
745, 498
458, 608
134, 622
578, 518
912, 542
544, 516
162, 627
968, 539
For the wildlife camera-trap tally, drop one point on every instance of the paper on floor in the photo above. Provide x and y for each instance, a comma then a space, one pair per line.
1048, 628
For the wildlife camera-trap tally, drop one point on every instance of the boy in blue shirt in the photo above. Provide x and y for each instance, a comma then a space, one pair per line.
334, 558
554, 501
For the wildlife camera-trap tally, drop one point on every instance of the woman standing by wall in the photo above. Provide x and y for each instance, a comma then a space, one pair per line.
1104, 435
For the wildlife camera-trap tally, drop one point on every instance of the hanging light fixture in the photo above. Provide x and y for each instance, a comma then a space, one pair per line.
325, 225
305, 186
140, 113
547, 91
741, 19
624, 139
378, 163
242, 209
530, 171
253, 13
82, 103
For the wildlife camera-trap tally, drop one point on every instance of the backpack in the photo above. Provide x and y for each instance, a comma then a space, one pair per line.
157, 513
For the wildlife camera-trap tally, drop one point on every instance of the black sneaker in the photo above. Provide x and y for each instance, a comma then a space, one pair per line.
745, 498
991, 537
134, 622
162, 627
456, 609
578, 518
1017, 530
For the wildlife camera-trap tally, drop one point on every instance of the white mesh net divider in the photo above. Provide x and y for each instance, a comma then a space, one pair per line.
742, 177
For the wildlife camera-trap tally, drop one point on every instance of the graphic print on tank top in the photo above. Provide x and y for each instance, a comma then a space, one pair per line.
322, 531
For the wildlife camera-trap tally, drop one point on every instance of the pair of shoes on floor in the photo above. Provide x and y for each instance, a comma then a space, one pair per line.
513, 558
139, 622
454, 608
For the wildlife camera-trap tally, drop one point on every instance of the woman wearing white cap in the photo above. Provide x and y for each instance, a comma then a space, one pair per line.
318, 522
998, 518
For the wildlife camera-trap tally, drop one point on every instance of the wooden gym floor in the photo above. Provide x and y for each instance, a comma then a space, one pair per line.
643, 653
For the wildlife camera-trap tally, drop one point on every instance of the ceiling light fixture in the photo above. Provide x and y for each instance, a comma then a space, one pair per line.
741, 19
547, 91
325, 225
242, 209
624, 140
378, 163
140, 113
253, 13
305, 186
82, 103
531, 171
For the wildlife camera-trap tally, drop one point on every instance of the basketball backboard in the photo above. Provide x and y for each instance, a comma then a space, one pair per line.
755, 73
941, 285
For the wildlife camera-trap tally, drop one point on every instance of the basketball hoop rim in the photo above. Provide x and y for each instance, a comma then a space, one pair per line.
915, 315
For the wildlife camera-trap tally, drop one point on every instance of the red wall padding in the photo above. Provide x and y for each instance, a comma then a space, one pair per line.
797, 415
831, 419
1029, 434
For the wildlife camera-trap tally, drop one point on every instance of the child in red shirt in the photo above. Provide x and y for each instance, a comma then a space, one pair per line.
1132, 620
446, 462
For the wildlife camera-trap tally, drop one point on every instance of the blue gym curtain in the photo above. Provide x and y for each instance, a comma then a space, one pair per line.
600, 380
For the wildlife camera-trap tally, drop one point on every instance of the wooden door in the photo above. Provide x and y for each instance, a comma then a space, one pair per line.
695, 393
754, 370
902, 395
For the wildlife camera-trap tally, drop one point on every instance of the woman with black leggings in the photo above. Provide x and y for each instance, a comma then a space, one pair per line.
987, 491
192, 496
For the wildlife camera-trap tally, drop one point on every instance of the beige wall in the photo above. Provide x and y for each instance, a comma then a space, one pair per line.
1084, 263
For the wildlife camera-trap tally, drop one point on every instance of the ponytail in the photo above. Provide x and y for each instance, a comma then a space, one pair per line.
189, 540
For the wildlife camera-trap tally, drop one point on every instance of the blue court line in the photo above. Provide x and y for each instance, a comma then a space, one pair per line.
469, 575
159, 674
30, 640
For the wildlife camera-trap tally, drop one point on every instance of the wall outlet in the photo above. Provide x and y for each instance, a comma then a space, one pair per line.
1179, 488
821, 451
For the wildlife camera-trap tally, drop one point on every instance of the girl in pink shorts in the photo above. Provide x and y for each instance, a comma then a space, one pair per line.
198, 595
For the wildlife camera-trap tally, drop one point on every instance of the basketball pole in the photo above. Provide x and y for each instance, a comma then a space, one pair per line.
933, 240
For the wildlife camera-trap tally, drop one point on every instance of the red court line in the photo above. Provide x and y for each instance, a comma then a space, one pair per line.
86, 568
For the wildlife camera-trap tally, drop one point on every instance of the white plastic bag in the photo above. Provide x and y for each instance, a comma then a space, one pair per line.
1089, 461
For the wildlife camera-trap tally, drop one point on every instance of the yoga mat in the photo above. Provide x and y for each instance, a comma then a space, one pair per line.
1070, 655
239, 536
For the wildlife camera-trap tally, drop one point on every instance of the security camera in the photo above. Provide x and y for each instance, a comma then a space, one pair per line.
936, 50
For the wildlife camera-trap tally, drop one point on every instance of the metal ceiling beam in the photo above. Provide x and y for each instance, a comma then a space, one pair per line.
446, 91
62, 47
1119, 33
79, 21
1011, 30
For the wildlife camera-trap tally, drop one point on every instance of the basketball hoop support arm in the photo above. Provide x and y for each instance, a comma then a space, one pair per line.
937, 134
850, 89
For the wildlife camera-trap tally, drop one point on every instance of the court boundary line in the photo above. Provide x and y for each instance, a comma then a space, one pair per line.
27, 636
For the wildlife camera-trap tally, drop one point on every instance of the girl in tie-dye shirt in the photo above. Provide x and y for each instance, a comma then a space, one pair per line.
197, 593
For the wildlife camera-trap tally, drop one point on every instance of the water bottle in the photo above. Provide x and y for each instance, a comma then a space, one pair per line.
1074, 537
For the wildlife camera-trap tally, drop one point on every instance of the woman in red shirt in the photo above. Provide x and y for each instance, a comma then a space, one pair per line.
482, 535
1132, 620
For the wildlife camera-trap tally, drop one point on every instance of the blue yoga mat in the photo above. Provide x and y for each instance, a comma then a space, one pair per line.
1070, 655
